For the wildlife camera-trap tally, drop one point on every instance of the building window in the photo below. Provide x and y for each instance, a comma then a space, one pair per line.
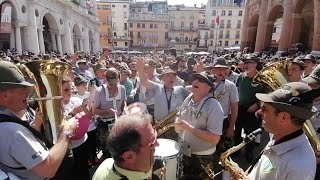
151, 26
143, 25
138, 25
182, 25
125, 26
220, 43
139, 35
115, 43
125, 14
240, 13
222, 24
98, 7
156, 26
166, 26
223, 13
229, 24
133, 10
274, 30
236, 42
139, 10
113, 5
191, 25
226, 43
230, 13
124, 6
166, 35
172, 25
211, 34
214, 12
227, 34
131, 25
114, 34
125, 43
131, 34
211, 43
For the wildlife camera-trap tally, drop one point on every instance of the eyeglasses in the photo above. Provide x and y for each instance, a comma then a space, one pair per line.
151, 144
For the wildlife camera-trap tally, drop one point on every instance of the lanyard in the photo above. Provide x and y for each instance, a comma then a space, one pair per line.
168, 99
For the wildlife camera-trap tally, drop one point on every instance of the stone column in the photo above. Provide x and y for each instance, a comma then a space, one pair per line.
31, 35
81, 44
77, 44
59, 43
286, 27
86, 41
12, 39
261, 32
41, 41
268, 35
316, 34
96, 38
297, 20
18, 40
68, 38
53, 41
245, 29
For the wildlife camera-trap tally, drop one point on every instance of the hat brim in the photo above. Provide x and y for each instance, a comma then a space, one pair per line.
12, 85
311, 80
204, 77
220, 66
295, 111
169, 72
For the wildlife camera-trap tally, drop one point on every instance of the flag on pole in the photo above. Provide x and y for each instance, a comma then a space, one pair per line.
218, 20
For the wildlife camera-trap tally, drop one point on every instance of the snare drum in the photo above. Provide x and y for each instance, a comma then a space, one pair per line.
167, 159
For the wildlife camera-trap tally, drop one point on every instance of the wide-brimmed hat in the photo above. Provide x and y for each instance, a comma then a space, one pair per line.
314, 77
309, 57
288, 99
220, 62
11, 77
167, 70
80, 80
251, 57
209, 79
99, 67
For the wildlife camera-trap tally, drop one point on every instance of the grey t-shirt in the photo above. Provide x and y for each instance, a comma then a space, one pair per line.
162, 97
226, 92
19, 148
102, 101
209, 118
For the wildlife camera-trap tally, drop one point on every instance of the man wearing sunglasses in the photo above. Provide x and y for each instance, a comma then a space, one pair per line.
132, 143
199, 127
248, 103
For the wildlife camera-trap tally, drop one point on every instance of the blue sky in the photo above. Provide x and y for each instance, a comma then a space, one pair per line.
188, 2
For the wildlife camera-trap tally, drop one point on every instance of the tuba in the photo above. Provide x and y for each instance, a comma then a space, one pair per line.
273, 77
48, 75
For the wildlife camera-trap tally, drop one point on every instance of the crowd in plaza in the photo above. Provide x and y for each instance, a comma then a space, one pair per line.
216, 97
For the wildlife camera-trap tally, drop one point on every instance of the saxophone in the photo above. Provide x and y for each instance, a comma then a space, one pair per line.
235, 171
166, 123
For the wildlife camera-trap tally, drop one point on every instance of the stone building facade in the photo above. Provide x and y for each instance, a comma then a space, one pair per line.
105, 28
228, 31
148, 25
45, 26
300, 24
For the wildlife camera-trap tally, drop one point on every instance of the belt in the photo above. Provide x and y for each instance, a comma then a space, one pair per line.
107, 120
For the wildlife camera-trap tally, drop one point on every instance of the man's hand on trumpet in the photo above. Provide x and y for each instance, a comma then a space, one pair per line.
182, 125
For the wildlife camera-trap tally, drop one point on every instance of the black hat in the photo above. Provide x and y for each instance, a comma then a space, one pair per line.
209, 79
80, 80
251, 57
11, 76
288, 99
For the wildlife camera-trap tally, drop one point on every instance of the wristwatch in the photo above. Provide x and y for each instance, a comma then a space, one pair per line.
68, 134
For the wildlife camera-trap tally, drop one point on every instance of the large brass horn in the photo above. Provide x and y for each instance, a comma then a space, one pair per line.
48, 75
273, 77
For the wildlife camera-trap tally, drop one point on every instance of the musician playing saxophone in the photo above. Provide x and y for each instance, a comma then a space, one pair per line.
199, 127
289, 154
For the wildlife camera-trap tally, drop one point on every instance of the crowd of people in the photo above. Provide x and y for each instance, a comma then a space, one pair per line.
216, 97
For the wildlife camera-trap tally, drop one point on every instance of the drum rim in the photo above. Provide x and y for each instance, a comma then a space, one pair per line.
171, 156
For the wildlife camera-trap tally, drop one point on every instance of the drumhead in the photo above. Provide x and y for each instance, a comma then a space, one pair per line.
167, 148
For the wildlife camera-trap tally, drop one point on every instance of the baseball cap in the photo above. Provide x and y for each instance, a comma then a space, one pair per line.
220, 62
11, 76
209, 79
288, 99
314, 77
